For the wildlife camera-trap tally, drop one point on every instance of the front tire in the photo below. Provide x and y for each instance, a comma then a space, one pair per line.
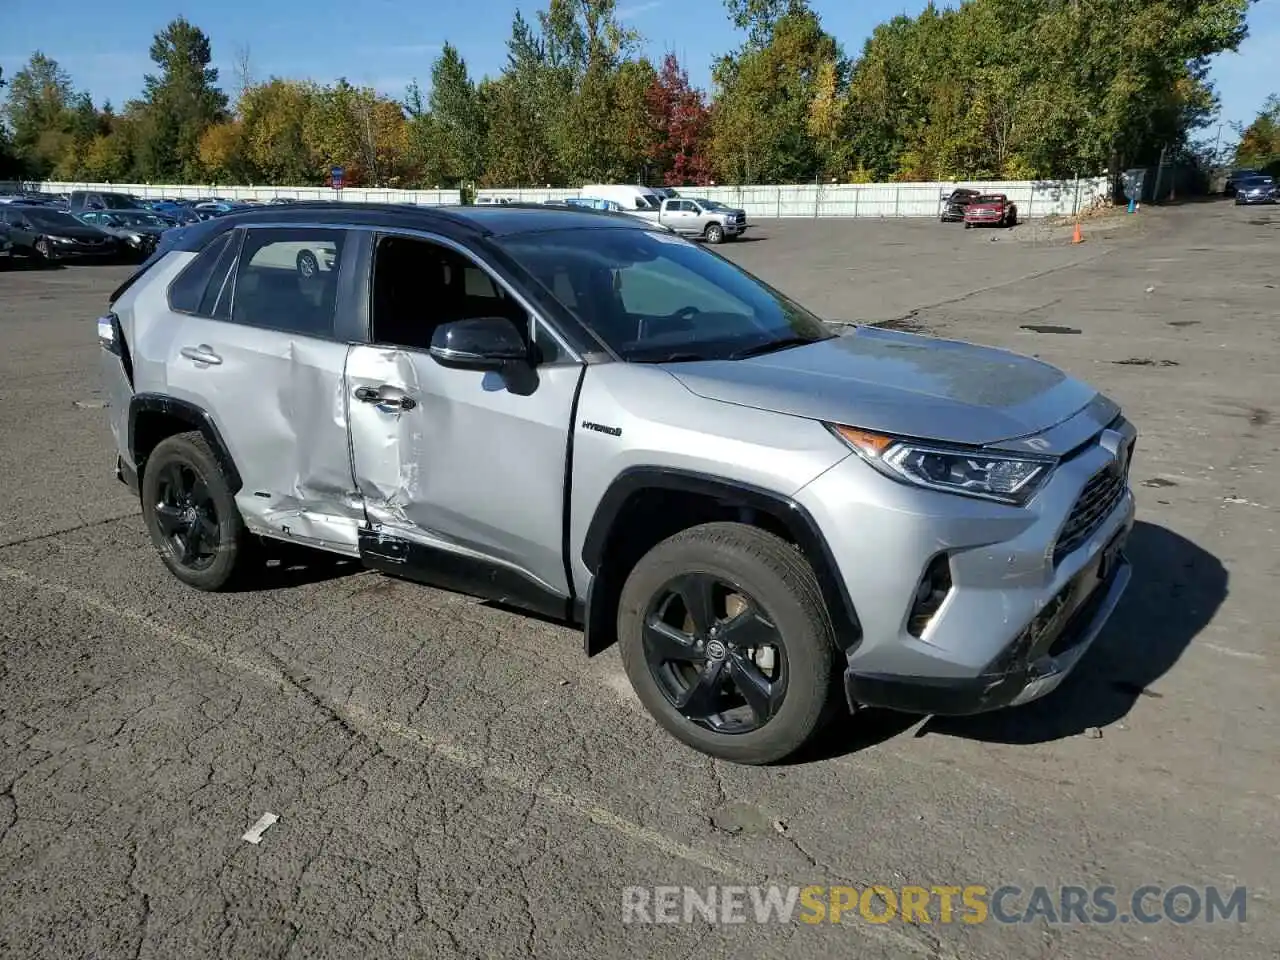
714, 233
727, 641
191, 514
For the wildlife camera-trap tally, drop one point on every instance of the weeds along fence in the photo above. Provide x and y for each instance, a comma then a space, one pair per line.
1035, 198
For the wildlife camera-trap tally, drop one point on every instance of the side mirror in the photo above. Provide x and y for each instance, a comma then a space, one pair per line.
479, 343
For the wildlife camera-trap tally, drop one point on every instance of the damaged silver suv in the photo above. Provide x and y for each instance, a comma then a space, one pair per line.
572, 412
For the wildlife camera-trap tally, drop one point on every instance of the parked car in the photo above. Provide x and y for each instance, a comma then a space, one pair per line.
49, 234
138, 230
617, 427
183, 211
1234, 178
697, 217
956, 202
688, 216
990, 209
629, 197
1252, 190
104, 200
303, 256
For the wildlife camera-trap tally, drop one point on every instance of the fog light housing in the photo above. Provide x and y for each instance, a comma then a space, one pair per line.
931, 591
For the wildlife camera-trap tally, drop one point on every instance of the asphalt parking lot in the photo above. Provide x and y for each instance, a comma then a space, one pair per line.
456, 780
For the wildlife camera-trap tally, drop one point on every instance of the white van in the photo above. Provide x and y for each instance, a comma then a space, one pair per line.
631, 199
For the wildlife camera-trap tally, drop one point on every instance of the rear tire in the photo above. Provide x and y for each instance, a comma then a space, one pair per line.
773, 607
191, 514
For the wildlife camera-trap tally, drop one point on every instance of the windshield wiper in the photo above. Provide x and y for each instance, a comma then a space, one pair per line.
772, 345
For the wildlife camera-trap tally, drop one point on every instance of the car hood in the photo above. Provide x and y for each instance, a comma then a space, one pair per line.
898, 383
71, 233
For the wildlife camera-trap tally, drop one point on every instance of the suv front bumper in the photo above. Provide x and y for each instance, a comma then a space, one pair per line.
1031, 667
1020, 611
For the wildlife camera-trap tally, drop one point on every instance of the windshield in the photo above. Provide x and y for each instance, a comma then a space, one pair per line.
139, 219
50, 219
655, 297
121, 201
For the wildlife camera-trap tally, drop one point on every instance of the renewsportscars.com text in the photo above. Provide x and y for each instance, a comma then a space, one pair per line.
970, 904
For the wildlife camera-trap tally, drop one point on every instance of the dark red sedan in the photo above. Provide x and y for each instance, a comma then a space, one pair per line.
992, 209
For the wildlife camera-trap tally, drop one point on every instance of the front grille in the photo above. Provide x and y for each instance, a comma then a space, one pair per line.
1096, 501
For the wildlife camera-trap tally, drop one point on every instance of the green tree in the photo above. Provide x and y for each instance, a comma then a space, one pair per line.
761, 119
521, 109
1259, 144
273, 138
39, 109
182, 100
457, 128
9, 167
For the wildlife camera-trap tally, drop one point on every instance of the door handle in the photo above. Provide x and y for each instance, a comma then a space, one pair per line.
201, 354
386, 404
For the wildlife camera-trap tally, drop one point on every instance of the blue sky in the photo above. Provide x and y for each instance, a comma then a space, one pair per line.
388, 43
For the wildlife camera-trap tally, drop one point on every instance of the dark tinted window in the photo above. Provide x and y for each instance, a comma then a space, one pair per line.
188, 289
418, 285
287, 279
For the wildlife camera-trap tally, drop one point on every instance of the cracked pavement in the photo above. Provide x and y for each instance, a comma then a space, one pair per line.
456, 780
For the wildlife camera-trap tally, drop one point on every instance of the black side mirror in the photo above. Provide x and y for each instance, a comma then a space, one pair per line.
479, 343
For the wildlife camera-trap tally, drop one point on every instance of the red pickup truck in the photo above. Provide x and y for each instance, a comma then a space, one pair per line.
991, 208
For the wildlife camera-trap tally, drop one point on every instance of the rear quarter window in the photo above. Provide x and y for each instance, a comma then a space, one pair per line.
188, 292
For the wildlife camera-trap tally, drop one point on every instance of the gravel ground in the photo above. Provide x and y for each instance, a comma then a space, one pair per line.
456, 780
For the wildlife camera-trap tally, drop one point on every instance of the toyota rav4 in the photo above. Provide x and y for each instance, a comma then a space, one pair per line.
574, 413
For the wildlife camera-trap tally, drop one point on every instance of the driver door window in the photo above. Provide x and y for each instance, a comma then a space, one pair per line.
419, 285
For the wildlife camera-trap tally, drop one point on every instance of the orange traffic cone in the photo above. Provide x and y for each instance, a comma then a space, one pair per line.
1075, 237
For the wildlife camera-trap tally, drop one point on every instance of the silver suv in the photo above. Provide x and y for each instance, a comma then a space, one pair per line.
575, 413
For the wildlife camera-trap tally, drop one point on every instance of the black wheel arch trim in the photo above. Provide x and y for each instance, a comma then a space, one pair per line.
191, 414
803, 529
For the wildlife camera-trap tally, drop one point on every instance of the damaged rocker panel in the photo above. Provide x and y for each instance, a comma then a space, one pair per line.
461, 573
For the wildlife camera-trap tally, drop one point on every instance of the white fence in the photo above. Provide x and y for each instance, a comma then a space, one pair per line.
156, 191
1034, 198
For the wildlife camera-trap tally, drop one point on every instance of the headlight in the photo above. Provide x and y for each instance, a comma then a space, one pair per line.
975, 473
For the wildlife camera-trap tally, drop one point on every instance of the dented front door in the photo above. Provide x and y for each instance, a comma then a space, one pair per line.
463, 460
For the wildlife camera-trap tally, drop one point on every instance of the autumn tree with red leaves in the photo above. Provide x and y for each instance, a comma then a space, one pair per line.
681, 120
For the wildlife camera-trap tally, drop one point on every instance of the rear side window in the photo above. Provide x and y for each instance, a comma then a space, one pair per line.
287, 280
187, 293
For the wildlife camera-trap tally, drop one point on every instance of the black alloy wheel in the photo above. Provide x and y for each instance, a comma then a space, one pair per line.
727, 641
187, 516
714, 654
191, 513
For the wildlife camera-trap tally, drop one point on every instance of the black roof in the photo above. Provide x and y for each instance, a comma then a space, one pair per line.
496, 220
